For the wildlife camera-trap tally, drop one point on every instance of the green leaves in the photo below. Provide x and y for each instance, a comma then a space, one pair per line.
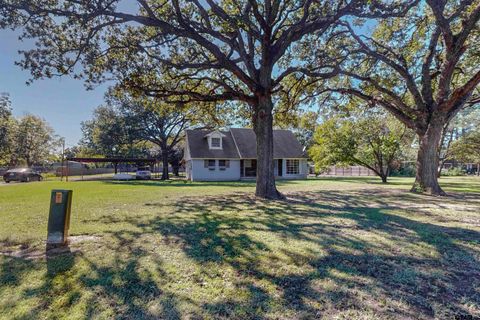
467, 148
34, 140
334, 143
368, 140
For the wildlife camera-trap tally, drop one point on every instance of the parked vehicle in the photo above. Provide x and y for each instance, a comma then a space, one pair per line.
22, 174
143, 174
123, 176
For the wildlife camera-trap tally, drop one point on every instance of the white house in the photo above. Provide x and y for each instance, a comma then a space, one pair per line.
232, 155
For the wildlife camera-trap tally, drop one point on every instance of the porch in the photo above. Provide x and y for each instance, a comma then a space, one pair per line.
248, 168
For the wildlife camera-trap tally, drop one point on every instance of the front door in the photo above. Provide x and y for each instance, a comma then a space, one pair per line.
280, 167
250, 167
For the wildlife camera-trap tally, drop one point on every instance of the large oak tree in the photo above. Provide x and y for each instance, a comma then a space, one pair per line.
423, 68
151, 119
210, 50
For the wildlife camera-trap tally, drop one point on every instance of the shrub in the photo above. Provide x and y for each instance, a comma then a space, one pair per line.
407, 171
455, 171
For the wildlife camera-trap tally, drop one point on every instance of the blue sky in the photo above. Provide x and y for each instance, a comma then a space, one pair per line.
63, 102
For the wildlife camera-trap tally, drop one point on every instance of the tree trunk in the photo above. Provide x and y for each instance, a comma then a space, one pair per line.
478, 169
384, 178
386, 172
175, 169
263, 127
165, 165
379, 172
426, 179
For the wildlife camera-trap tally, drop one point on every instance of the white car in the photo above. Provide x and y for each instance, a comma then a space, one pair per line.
123, 176
143, 174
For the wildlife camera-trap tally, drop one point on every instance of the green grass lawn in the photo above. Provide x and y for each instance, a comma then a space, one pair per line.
348, 248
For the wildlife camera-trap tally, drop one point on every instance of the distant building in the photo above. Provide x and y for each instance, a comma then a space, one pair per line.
74, 168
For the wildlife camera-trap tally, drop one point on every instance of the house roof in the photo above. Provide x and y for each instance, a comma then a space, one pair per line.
241, 143
198, 146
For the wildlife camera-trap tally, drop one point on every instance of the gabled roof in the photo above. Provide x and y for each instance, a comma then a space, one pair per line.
285, 144
198, 145
215, 133
240, 143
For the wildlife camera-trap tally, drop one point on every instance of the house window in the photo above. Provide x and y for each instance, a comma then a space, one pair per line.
215, 143
210, 164
293, 166
223, 164
215, 139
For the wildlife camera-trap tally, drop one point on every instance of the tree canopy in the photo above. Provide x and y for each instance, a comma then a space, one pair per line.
34, 141
205, 50
7, 127
27, 140
150, 119
372, 141
467, 148
107, 134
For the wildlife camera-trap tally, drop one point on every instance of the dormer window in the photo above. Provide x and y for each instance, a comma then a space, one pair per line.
215, 140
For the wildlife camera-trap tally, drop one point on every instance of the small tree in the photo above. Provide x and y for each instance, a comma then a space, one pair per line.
175, 159
34, 140
467, 149
107, 134
466, 121
372, 142
7, 130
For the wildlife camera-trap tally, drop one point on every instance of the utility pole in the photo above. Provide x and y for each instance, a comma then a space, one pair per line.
63, 158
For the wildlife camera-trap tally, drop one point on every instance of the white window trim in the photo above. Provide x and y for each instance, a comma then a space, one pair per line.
299, 167
215, 134
210, 142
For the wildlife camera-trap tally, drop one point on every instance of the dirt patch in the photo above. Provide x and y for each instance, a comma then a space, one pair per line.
83, 238
27, 254
34, 253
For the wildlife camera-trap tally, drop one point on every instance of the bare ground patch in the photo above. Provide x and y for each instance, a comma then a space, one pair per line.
25, 251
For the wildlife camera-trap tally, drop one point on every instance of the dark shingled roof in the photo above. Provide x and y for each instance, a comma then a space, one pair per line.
198, 145
285, 144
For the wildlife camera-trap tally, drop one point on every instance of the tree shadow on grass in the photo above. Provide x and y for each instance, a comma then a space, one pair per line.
115, 290
443, 283
368, 256
317, 254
